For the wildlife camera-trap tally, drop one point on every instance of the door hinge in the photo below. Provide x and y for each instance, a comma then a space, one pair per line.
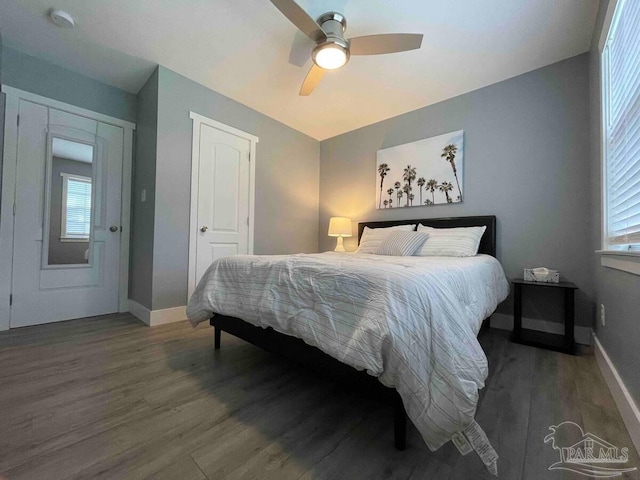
10, 299
121, 228
18, 120
247, 221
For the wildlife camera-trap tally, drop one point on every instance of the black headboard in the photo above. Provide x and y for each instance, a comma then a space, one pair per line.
487, 244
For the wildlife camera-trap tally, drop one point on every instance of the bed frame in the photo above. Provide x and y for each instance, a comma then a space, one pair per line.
323, 365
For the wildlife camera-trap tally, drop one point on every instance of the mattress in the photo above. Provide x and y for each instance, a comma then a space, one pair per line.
410, 321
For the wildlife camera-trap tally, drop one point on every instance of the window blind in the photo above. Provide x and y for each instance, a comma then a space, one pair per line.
78, 218
621, 81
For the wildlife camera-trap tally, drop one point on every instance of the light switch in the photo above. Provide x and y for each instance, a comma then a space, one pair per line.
143, 195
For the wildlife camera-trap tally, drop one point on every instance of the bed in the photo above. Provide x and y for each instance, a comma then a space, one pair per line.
428, 365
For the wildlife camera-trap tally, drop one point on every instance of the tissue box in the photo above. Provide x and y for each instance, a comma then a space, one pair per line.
552, 277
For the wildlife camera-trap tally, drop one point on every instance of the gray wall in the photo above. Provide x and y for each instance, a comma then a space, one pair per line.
526, 161
28, 73
2, 105
616, 289
144, 178
1, 116
1, 48
64, 252
287, 175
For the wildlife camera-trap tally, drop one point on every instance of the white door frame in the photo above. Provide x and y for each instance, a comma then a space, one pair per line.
199, 120
9, 168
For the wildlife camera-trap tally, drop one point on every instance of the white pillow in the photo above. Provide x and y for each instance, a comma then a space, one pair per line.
372, 238
450, 242
401, 243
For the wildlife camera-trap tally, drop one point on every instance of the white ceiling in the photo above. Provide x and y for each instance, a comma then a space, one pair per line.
243, 49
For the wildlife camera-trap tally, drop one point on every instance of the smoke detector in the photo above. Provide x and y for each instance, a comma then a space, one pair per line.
62, 19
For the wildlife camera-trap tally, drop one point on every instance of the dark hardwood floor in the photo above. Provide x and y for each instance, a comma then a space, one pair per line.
109, 398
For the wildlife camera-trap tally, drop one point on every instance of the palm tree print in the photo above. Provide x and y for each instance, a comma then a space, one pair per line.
431, 186
383, 169
449, 154
409, 174
407, 190
446, 187
421, 181
418, 176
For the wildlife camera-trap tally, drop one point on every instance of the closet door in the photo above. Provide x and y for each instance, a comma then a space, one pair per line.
67, 217
223, 197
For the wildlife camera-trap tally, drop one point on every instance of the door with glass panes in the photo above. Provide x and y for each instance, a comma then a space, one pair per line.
67, 216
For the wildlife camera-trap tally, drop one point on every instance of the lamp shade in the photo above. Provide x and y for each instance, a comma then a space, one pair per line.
340, 227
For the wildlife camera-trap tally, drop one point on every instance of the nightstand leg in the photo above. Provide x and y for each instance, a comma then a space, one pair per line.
517, 310
569, 317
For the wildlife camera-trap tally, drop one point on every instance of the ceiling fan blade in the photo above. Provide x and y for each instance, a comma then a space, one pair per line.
300, 19
385, 43
312, 80
300, 48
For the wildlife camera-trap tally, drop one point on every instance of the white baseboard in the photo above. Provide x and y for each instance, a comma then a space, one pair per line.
157, 317
627, 406
140, 312
505, 322
168, 315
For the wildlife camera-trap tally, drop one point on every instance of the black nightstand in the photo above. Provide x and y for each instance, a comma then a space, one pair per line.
560, 343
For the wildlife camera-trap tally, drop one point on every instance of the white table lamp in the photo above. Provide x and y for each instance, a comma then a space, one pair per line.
340, 227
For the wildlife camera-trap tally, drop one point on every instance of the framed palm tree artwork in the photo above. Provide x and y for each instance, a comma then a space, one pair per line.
424, 172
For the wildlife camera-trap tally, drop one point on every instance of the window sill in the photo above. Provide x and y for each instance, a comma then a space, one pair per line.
621, 260
74, 240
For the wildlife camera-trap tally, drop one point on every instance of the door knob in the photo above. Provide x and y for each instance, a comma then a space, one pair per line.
113, 228
204, 228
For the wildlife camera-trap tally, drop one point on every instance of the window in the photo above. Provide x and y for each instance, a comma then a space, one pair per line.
621, 127
76, 207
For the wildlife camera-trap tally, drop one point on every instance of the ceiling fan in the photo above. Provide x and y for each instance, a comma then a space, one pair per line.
332, 50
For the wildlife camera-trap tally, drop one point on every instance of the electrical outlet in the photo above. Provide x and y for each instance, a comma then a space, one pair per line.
602, 314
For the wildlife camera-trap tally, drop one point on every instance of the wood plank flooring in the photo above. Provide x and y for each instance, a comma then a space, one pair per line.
109, 398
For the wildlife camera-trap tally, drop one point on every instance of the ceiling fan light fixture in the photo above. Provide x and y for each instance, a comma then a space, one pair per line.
330, 55
332, 50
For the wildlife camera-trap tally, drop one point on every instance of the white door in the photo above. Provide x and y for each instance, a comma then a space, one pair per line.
67, 216
223, 197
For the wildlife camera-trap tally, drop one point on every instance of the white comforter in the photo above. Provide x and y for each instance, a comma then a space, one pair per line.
410, 321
